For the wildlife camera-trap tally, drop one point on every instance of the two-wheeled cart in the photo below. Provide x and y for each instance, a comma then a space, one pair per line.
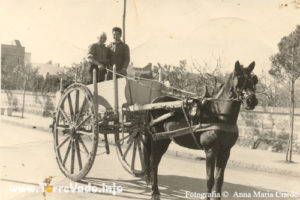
89, 116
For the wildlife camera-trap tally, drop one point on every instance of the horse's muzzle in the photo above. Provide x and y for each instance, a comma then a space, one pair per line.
250, 102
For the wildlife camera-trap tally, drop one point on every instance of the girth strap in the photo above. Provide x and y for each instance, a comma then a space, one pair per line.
195, 129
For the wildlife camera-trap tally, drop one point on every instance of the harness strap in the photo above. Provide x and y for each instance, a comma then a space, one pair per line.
196, 128
190, 128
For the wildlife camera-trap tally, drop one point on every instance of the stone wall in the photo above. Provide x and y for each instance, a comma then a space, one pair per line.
268, 128
272, 123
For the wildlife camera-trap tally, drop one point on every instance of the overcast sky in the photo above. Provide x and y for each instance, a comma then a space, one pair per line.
163, 31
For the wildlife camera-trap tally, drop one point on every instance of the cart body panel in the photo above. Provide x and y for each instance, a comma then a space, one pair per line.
130, 92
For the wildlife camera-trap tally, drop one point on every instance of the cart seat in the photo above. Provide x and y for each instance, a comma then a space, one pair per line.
142, 91
145, 72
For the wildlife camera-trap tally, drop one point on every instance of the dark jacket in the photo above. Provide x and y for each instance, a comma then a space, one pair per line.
119, 55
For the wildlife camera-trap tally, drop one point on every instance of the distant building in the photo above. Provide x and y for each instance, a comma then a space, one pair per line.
49, 68
12, 55
27, 58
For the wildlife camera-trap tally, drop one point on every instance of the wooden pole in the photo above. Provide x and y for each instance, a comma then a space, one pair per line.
160, 74
95, 91
116, 102
124, 20
116, 98
161, 118
292, 112
61, 86
154, 106
96, 107
24, 96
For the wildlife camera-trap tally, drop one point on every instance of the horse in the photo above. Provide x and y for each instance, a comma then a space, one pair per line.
223, 107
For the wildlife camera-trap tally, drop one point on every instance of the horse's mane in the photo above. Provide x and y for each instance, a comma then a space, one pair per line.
226, 87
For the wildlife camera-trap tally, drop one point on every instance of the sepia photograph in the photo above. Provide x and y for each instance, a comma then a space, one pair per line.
150, 99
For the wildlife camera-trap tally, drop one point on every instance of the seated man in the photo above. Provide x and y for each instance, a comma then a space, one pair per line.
98, 57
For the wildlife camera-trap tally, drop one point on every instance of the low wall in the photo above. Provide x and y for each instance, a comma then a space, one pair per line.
270, 123
35, 102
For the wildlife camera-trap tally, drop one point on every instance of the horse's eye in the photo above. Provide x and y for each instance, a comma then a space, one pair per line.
254, 79
240, 80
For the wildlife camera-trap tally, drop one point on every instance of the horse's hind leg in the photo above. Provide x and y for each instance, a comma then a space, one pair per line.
147, 154
221, 162
158, 148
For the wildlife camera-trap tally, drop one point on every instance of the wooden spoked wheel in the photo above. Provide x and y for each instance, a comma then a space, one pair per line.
130, 151
75, 132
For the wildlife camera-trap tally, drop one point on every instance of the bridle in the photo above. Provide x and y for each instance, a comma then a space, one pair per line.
247, 79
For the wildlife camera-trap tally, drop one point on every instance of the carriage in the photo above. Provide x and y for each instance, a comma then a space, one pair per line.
86, 111
125, 112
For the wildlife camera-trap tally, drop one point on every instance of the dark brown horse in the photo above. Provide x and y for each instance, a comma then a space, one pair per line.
223, 108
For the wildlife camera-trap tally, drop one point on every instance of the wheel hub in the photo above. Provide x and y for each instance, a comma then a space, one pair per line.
73, 131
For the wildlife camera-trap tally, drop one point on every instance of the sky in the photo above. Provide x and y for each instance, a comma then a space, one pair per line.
164, 31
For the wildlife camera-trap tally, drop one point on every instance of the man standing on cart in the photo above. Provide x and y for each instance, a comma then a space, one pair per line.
99, 58
119, 54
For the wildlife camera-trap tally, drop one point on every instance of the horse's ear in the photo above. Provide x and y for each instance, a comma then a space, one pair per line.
237, 66
251, 67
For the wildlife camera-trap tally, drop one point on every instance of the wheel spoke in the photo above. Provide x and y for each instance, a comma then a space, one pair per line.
71, 107
126, 152
124, 138
63, 104
78, 154
81, 109
142, 140
76, 103
72, 157
83, 121
65, 115
132, 135
63, 142
84, 133
133, 155
82, 143
141, 153
67, 153
62, 127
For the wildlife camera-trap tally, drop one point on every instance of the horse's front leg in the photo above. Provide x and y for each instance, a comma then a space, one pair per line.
210, 143
210, 168
222, 159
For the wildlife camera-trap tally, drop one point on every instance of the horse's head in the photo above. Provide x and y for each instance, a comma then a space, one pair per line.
244, 85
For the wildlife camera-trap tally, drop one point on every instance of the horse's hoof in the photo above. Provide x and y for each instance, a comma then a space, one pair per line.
155, 197
148, 180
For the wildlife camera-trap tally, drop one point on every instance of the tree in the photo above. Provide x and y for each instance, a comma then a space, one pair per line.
78, 72
269, 93
23, 75
179, 77
210, 74
286, 67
